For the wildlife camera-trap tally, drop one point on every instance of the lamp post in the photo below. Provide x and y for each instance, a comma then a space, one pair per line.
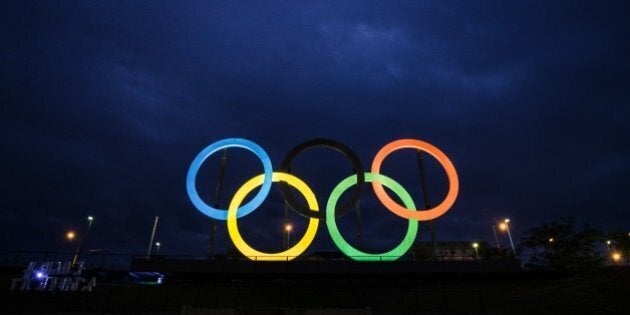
505, 226
616, 258
157, 247
496, 238
475, 245
70, 237
288, 229
82, 240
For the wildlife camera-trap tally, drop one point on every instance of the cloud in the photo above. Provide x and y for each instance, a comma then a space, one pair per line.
107, 104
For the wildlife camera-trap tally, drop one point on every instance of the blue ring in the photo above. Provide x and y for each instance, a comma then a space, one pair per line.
209, 150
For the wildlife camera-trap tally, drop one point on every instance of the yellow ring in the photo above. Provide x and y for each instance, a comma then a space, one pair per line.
290, 253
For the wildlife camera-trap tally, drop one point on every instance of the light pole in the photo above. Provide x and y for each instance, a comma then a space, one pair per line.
150, 246
288, 228
157, 247
610, 251
82, 240
616, 258
496, 238
70, 237
475, 245
505, 226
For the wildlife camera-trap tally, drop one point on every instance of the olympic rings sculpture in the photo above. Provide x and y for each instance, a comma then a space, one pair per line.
311, 210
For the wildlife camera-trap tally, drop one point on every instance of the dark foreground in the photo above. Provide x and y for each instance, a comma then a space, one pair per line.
606, 291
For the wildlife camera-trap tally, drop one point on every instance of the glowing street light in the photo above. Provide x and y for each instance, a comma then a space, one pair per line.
288, 227
505, 226
157, 247
608, 246
475, 245
551, 240
70, 237
616, 257
82, 240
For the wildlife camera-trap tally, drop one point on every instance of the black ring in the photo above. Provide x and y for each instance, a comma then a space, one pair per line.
328, 143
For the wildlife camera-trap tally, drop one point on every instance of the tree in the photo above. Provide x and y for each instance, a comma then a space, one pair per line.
559, 246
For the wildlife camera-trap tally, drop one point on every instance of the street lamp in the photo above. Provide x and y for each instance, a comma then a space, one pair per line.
70, 237
475, 245
505, 226
82, 240
157, 247
616, 257
288, 227
551, 240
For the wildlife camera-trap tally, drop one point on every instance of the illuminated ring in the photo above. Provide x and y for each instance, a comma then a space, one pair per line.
354, 253
424, 215
219, 214
290, 253
356, 165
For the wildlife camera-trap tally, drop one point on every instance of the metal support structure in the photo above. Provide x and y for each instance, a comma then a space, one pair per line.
286, 241
427, 204
155, 223
75, 258
217, 203
507, 227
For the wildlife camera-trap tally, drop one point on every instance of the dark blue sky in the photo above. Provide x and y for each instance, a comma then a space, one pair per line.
105, 104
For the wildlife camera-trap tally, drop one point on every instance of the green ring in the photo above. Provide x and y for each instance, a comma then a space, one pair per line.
354, 253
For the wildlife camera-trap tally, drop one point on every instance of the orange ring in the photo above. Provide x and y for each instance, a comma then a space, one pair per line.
424, 215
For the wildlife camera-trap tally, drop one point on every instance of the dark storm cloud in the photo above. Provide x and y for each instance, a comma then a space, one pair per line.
105, 105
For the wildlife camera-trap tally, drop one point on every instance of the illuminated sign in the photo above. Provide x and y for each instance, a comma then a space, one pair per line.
53, 276
237, 209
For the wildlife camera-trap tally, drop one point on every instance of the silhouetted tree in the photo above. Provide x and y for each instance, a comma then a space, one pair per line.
559, 246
